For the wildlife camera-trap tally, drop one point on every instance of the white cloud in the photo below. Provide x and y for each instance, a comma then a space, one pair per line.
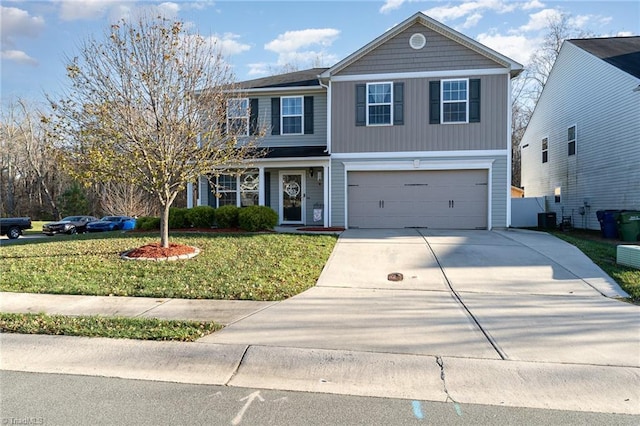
18, 23
516, 47
228, 44
625, 34
472, 20
540, 20
169, 9
533, 4
390, 5
293, 40
71, 10
260, 68
450, 12
18, 56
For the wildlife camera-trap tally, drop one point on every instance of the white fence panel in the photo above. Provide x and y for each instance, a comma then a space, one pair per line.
524, 211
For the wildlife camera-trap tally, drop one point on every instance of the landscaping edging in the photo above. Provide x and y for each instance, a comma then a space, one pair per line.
196, 251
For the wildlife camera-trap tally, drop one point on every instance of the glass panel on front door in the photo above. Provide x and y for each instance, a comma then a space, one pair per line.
292, 198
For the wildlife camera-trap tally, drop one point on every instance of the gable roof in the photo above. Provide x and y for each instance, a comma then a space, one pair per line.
304, 78
514, 67
621, 52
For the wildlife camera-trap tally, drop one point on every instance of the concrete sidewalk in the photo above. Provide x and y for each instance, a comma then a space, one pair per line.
513, 318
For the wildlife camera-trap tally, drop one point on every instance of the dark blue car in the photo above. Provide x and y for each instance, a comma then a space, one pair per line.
112, 223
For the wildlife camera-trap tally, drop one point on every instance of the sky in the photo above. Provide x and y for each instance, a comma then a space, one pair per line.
258, 38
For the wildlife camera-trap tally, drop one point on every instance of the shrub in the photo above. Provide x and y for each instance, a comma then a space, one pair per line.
178, 218
257, 218
148, 223
201, 216
227, 217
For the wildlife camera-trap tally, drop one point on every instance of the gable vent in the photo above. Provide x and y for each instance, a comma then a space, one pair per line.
417, 41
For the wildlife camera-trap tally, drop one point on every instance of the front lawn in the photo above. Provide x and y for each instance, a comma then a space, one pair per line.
113, 327
265, 266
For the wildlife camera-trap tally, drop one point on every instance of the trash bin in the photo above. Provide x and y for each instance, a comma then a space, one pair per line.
608, 222
629, 225
547, 220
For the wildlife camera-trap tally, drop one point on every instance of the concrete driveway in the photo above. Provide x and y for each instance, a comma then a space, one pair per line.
494, 295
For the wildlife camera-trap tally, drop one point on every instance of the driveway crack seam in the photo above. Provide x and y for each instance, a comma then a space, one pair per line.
459, 299
440, 363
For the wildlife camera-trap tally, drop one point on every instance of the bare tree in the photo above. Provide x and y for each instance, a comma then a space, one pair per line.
119, 198
147, 106
26, 157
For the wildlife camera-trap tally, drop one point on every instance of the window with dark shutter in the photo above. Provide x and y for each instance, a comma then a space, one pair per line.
275, 116
434, 102
398, 104
474, 100
308, 115
361, 104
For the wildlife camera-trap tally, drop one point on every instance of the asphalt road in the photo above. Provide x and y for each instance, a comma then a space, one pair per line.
52, 399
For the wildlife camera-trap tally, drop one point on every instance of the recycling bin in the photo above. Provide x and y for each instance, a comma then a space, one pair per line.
629, 225
608, 222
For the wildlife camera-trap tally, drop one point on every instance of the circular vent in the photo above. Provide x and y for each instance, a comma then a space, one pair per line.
417, 41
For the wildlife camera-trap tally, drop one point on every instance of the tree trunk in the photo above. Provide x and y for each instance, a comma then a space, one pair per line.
164, 225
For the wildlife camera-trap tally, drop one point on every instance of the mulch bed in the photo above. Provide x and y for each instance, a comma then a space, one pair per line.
155, 251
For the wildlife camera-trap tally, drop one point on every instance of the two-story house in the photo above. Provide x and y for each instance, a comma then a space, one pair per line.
412, 130
581, 149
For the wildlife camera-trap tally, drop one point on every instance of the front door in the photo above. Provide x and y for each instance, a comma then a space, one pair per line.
292, 196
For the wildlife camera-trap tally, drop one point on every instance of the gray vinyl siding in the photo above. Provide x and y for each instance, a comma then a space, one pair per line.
440, 53
319, 136
417, 134
598, 98
499, 193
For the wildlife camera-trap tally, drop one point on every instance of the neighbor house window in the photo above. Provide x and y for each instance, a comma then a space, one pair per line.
557, 194
571, 140
238, 116
455, 101
240, 191
545, 150
379, 101
292, 113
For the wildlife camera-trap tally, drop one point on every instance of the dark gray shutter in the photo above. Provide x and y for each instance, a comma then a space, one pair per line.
398, 104
434, 102
474, 100
253, 116
267, 189
308, 115
275, 116
361, 104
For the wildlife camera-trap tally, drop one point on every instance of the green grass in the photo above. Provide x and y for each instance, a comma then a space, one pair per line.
603, 254
265, 267
36, 227
113, 327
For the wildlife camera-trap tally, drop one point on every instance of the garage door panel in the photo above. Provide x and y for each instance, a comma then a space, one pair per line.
442, 199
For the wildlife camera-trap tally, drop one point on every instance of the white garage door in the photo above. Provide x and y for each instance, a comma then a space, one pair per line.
438, 199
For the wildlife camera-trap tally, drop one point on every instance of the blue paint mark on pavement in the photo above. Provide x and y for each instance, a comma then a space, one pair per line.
417, 410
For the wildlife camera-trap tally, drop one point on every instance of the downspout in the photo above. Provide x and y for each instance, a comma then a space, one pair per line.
327, 177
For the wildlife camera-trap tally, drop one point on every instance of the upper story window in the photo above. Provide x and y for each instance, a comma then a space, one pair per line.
571, 140
238, 116
545, 150
379, 101
292, 113
455, 101
380, 104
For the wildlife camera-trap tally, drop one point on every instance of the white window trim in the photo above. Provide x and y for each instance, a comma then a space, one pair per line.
239, 117
282, 115
390, 103
238, 191
442, 102
574, 140
543, 150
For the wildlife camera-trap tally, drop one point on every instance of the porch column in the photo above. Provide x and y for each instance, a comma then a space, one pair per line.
261, 186
189, 195
325, 175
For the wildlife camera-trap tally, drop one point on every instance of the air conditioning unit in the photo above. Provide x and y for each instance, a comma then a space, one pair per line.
628, 255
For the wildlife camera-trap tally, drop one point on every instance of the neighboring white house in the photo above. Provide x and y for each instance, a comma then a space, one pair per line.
581, 150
